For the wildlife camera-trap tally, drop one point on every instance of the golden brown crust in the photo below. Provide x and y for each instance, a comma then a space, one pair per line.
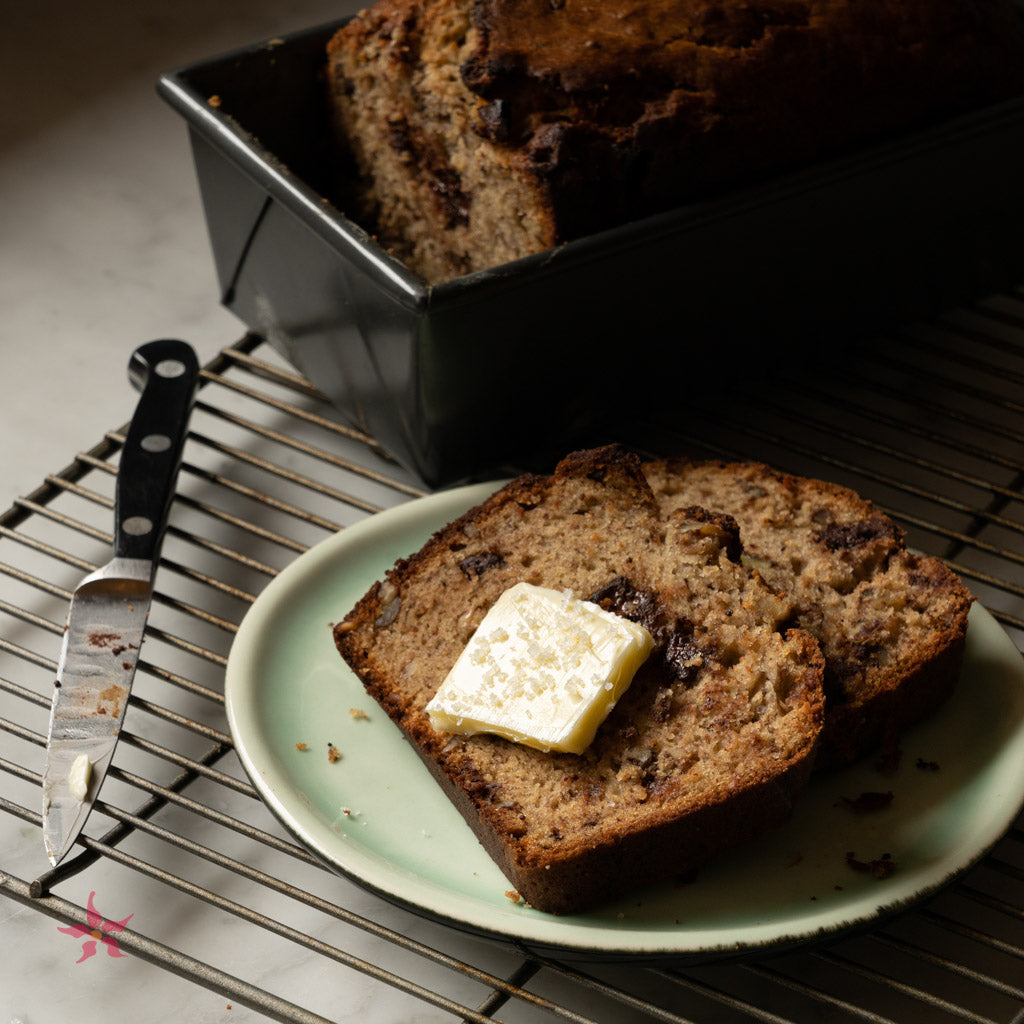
892, 624
709, 745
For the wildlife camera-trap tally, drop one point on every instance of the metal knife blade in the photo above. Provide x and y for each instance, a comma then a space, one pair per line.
110, 607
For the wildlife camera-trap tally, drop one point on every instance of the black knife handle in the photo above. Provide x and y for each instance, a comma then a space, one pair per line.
167, 374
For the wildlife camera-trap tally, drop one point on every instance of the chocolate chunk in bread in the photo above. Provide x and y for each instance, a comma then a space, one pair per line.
891, 623
708, 747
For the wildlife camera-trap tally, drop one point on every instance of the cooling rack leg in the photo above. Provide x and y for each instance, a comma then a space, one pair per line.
518, 978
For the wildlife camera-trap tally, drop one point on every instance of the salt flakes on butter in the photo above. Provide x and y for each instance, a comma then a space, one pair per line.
543, 669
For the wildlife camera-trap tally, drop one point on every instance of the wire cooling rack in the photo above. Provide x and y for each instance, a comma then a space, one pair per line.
929, 423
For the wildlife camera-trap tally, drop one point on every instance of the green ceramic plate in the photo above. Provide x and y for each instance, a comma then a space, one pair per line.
376, 816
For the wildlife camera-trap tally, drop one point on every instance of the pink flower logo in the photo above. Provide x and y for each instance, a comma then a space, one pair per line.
96, 931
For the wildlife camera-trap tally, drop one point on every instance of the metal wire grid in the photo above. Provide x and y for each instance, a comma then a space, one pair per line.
934, 432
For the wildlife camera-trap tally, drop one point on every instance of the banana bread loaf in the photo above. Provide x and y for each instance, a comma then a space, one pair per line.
490, 129
707, 748
891, 623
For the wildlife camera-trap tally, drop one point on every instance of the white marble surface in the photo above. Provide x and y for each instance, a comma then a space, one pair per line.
102, 246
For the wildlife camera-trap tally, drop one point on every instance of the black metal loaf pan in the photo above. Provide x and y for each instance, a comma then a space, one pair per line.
503, 367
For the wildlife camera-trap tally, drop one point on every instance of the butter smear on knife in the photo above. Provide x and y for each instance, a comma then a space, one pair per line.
543, 669
79, 776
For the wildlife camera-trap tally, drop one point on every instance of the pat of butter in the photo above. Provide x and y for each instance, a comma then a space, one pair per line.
79, 776
543, 668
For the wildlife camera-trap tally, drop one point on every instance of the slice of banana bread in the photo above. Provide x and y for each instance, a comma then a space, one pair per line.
891, 623
707, 748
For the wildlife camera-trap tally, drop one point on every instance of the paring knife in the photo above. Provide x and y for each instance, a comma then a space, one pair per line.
110, 607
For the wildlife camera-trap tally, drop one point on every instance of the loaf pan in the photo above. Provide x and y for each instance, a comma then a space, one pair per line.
508, 367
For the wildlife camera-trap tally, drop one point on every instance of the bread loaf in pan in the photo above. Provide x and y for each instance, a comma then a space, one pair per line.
508, 367
487, 130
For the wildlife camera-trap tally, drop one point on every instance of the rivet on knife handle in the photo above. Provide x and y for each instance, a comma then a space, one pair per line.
110, 607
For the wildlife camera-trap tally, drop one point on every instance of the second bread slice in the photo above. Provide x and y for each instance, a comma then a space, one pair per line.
892, 624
